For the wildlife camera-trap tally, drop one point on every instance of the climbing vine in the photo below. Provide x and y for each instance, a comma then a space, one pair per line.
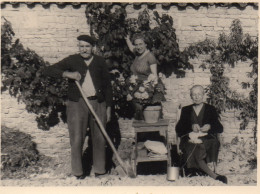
22, 77
230, 49
110, 25
22, 68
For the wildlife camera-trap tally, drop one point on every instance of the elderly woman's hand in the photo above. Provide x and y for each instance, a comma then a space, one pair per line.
205, 128
195, 128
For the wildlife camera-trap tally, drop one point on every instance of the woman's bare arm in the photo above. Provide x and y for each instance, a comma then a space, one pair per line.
129, 43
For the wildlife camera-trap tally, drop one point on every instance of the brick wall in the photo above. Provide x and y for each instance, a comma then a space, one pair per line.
51, 33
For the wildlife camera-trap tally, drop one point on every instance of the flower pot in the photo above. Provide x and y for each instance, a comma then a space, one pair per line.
152, 114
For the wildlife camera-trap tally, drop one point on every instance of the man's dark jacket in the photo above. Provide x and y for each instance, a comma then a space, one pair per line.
184, 126
98, 72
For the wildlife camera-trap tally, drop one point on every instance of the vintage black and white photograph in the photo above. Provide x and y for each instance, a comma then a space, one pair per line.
129, 94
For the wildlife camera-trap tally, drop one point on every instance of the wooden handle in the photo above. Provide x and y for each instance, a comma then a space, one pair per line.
100, 125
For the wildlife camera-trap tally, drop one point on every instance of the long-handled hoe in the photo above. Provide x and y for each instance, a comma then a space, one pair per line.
126, 167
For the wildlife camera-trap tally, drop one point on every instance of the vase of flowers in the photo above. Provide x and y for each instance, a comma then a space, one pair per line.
149, 93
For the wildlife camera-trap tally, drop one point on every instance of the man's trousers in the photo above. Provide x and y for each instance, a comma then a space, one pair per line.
79, 118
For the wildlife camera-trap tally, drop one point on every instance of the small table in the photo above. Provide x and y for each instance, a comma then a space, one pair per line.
141, 126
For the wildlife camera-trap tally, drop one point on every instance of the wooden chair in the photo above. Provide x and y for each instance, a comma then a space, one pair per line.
178, 115
178, 139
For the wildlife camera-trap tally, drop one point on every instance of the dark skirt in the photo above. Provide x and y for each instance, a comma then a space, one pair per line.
192, 153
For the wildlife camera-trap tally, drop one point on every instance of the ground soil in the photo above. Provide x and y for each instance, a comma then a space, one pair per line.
56, 172
59, 176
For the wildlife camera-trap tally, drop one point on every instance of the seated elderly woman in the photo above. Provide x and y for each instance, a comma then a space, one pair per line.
197, 128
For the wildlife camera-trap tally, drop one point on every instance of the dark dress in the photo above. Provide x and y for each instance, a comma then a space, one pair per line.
208, 149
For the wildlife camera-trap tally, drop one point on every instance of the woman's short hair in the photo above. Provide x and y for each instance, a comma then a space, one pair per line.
143, 37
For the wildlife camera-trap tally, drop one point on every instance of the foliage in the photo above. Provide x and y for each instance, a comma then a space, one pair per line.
121, 107
110, 25
240, 152
230, 49
19, 156
22, 76
22, 68
245, 150
146, 92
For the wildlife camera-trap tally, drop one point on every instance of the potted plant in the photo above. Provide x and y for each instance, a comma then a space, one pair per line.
149, 93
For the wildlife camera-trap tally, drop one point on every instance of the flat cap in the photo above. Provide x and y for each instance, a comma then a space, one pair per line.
87, 38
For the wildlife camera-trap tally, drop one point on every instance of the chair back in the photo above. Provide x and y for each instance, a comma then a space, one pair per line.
178, 115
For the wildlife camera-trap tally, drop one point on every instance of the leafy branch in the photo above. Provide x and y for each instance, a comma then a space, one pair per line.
230, 49
110, 27
22, 77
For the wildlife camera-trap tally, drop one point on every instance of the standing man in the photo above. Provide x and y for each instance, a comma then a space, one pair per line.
92, 73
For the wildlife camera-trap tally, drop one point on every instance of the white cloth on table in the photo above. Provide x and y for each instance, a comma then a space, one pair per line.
156, 147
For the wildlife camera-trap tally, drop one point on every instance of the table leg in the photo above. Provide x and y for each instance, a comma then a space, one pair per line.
136, 154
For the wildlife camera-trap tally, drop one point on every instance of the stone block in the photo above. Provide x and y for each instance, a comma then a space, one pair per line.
189, 74
169, 81
224, 22
218, 30
213, 35
188, 21
208, 22
234, 11
53, 140
5, 111
251, 31
125, 124
231, 130
16, 112
172, 131
187, 81
171, 95
249, 10
173, 115
170, 107
189, 28
127, 135
167, 115
198, 69
204, 81
192, 35
227, 138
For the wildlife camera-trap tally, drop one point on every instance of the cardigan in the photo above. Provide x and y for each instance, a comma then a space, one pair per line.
98, 72
210, 116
